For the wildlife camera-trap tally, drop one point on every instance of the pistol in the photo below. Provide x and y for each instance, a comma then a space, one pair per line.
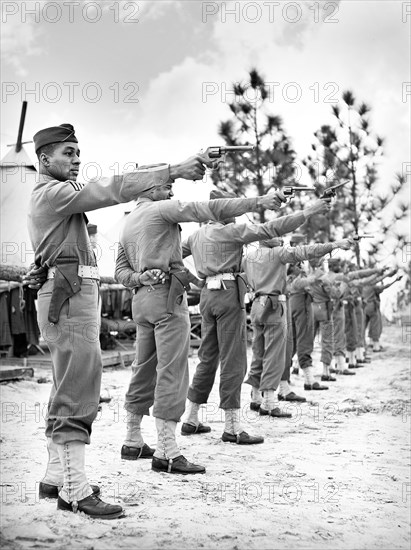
330, 193
290, 191
357, 236
216, 152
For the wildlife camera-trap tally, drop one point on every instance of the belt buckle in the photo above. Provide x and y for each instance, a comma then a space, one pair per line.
263, 300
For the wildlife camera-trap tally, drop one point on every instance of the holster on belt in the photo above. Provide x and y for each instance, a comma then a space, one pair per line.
242, 287
179, 284
66, 283
271, 304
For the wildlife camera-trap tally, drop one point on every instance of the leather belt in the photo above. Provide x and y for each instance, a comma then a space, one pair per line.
262, 298
84, 271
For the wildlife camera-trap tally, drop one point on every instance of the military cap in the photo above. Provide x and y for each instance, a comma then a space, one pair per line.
54, 134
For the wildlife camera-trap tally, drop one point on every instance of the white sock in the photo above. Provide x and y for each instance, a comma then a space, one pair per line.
284, 388
326, 369
309, 375
375, 345
232, 421
358, 354
351, 358
270, 400
256, 395
191, 415
134, 437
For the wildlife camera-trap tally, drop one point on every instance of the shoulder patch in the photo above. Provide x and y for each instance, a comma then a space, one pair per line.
77, 186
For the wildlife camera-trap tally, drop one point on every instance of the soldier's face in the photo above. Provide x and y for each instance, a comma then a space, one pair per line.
163, 192
63, 164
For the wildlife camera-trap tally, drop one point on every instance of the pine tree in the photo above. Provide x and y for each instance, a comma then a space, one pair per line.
349, 150
272, 163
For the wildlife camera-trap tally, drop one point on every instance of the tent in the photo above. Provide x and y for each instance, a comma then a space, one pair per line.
18, 177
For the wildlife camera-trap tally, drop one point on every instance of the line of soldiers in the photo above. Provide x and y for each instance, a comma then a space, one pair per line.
150, 260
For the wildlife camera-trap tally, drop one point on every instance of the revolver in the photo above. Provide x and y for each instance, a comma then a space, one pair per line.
290, 191
330, 193
357, 237
216, 152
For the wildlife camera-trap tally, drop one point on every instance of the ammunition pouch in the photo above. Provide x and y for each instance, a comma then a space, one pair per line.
66, 283
179, 284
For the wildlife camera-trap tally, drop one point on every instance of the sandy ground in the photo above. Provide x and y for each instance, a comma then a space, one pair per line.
335, 475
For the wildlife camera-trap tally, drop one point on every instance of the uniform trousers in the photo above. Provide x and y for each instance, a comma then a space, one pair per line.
224, 341
326, 329
300, 330
76, 362
373, 320
160, 370
268, 346
352, 334
338, 316
359, 313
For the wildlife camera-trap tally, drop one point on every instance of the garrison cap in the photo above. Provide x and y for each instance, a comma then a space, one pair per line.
218, 194
54, 134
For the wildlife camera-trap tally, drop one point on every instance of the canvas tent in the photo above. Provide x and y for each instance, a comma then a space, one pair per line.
18, 177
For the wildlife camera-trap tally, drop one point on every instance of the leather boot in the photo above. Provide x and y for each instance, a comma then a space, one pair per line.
76, 494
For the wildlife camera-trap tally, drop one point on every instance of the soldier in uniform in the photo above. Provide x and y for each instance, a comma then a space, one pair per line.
267, 275
68, 303
151, 239
354, 318
372, 310
217, 252
346, 281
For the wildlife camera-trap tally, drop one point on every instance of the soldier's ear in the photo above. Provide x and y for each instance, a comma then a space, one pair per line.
44, 159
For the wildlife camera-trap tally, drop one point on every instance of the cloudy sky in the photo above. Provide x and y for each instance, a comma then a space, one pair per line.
149, 81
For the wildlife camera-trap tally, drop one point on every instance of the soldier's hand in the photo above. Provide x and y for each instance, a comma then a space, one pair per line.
35, 277
345, 244
399, 277
191, 169
152, 276
320, 206
272, 201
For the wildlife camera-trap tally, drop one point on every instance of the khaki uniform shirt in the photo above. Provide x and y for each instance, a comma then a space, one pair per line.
218, 248
56, 223
151, 235
267, 271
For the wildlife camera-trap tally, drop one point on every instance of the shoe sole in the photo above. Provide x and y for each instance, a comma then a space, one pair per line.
243, 442
176, 472
94, 516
